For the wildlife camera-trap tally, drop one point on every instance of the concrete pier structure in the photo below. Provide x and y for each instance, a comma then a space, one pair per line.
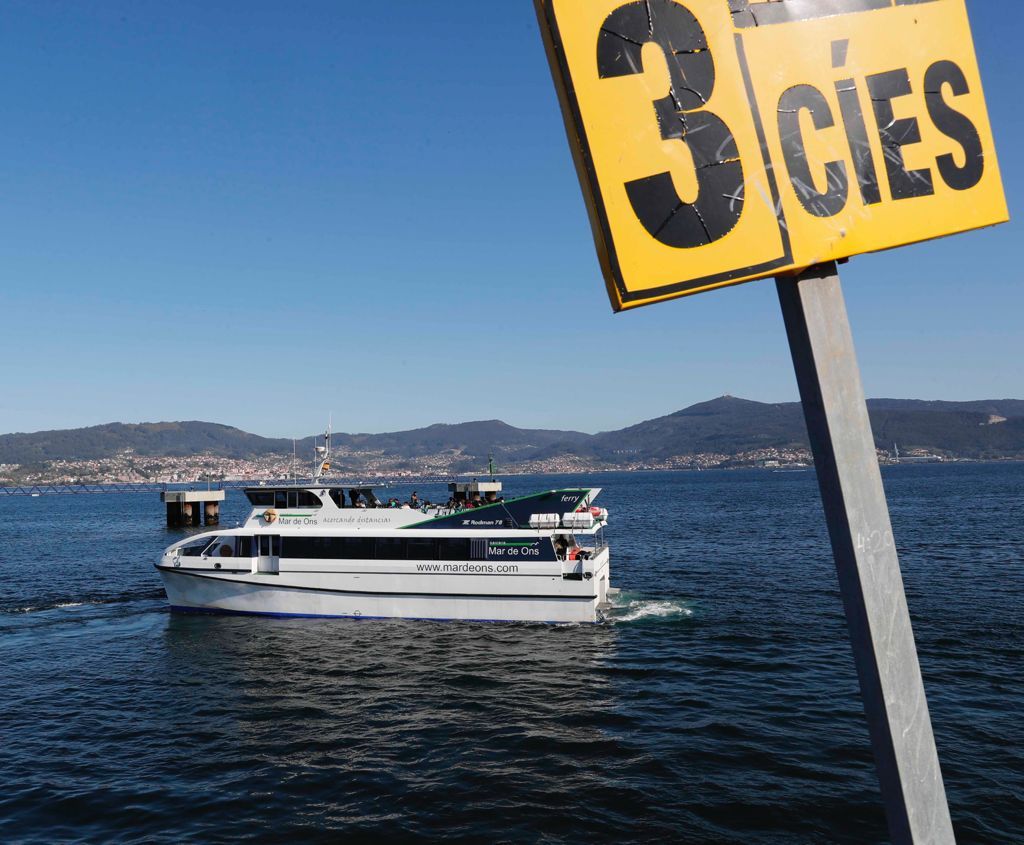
187, 507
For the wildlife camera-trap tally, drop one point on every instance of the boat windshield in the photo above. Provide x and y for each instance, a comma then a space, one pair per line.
218, 547
194, 548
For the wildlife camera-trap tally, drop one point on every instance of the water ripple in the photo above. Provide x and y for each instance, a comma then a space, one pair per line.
718, 703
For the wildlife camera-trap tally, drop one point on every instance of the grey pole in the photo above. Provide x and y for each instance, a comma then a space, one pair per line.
862, 543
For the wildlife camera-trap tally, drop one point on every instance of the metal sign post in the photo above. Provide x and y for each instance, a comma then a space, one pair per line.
865, 555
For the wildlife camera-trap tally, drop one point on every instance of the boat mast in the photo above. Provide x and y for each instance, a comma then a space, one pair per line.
323, 454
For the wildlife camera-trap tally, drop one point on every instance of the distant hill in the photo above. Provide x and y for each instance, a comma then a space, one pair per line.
152, 439
962, 433
1008, 408
727, 426
473, 438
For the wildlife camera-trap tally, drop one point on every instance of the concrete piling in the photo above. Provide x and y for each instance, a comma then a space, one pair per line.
187, 508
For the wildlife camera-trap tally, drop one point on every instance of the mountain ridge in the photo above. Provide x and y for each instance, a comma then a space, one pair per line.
727, 425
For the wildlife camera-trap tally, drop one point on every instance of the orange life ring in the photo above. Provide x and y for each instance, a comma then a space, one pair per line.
270, 516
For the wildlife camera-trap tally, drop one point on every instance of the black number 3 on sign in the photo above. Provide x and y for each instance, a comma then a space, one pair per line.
681, 116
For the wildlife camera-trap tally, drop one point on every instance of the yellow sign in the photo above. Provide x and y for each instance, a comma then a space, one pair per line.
719, 141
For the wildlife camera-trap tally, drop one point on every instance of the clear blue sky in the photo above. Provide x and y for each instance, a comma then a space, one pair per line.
260, 213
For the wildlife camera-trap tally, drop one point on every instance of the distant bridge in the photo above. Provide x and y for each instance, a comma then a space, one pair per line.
158, 487
139, 487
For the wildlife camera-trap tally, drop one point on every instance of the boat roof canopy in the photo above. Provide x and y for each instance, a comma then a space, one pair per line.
475, 487
308, 495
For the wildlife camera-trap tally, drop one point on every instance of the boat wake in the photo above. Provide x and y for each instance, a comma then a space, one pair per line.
82, 602
633, 608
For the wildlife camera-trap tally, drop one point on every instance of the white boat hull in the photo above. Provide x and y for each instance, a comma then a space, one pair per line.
304, 552
470, 598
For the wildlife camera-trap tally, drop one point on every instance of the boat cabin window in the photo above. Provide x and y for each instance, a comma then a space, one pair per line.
328, 548
296, 499
337, 496
453, 548
358, 548
363, 548
283, 499
383, 548
363, 497
230, 547
390, 548
421, 548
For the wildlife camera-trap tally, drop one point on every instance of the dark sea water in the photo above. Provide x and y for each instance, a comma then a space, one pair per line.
719, 704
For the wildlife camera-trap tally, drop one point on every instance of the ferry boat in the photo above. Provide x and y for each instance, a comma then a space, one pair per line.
320, 548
